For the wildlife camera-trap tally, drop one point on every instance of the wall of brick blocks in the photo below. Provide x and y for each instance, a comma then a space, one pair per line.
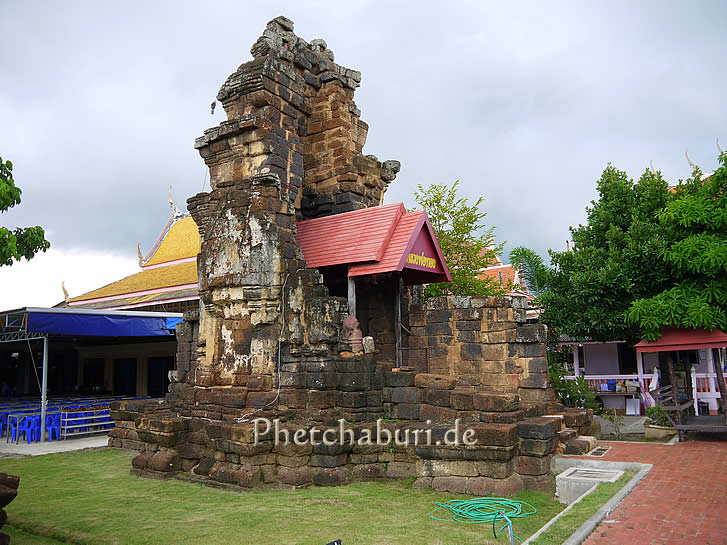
506, 458
483, 344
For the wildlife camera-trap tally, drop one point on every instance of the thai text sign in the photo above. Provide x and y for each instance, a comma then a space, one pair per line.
422, 260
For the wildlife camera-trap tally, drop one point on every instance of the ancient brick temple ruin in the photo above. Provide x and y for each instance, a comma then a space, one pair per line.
309, 312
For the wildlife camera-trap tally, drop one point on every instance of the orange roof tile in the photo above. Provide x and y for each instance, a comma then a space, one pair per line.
508, 273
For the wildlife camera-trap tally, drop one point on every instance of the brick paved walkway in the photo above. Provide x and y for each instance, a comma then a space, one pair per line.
683, 499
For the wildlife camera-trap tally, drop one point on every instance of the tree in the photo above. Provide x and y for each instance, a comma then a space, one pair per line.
467, 245
20, 242
615, 260
532, 268
695, 223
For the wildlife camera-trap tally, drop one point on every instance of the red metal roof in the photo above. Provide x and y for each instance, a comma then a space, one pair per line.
373, 241
352, 237
675, 338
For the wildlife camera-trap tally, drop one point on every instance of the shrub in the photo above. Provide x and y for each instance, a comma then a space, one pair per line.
571, 392
657, 416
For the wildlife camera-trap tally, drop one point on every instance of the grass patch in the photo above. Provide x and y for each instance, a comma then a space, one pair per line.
18, 537
90, 498
583, 510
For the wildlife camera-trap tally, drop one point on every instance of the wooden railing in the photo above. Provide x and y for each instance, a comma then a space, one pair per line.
704, 385
707, 382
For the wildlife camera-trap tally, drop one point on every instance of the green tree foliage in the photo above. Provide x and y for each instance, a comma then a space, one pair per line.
695, 225
532, 268
468, 246
616, 258
20, 242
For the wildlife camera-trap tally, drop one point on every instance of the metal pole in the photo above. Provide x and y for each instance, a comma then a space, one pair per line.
397, 317
351, 296
44, 388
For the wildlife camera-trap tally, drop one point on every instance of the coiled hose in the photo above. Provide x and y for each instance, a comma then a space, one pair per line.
479, 510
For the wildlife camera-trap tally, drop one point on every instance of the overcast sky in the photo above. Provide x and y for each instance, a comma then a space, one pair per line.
525, 103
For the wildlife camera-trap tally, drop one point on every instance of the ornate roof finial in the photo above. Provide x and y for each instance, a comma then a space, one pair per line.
653, 170
138, 253
176, 212
721, 151
65, 293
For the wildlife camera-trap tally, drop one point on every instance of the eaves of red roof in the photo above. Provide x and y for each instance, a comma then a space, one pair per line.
675, 338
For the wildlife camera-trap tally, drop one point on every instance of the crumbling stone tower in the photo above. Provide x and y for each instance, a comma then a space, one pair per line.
274, 338
290, 149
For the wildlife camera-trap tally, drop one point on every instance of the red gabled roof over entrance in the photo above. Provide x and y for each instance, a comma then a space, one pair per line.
375, 240
675, 338
352, 237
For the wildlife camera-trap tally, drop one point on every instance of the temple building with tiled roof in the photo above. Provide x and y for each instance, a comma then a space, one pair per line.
167, 280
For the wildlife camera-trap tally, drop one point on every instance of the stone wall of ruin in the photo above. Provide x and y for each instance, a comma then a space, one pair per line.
506, 459
205, 432
483, 344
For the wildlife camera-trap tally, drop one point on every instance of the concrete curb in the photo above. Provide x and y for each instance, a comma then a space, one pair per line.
585, 530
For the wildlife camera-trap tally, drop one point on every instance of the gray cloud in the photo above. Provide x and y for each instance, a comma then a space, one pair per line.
525, 103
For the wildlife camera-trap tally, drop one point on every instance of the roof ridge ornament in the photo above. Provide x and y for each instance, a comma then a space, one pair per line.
176, 212
138, 253
686, 153
65, 292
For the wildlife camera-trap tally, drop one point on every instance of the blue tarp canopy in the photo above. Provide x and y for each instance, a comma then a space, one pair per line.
100, 323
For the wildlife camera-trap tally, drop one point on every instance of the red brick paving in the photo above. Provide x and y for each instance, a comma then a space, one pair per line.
683, 499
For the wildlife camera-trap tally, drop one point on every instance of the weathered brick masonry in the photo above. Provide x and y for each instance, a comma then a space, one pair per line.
270, 340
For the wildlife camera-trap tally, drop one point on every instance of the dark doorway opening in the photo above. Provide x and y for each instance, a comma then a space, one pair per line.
125, 377
93, 376
158, 375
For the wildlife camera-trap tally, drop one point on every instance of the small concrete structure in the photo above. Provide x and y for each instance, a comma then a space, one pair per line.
576, 481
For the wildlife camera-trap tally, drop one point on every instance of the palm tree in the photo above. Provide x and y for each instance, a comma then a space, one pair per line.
532, 268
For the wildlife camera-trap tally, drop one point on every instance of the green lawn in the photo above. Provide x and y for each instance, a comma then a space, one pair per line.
90, 498
18, 537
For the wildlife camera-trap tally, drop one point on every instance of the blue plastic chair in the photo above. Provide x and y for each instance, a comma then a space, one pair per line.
53, 426
13, 430
30, 428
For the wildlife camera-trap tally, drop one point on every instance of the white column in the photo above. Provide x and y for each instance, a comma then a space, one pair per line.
640, 364
576, 361
710, 370
712, 381
351, 296
694, 390
44, 389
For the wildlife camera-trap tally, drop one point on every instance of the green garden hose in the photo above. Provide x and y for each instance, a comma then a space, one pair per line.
479, 510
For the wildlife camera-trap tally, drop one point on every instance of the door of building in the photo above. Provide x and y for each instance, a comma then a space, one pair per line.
158, 375
125, 377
